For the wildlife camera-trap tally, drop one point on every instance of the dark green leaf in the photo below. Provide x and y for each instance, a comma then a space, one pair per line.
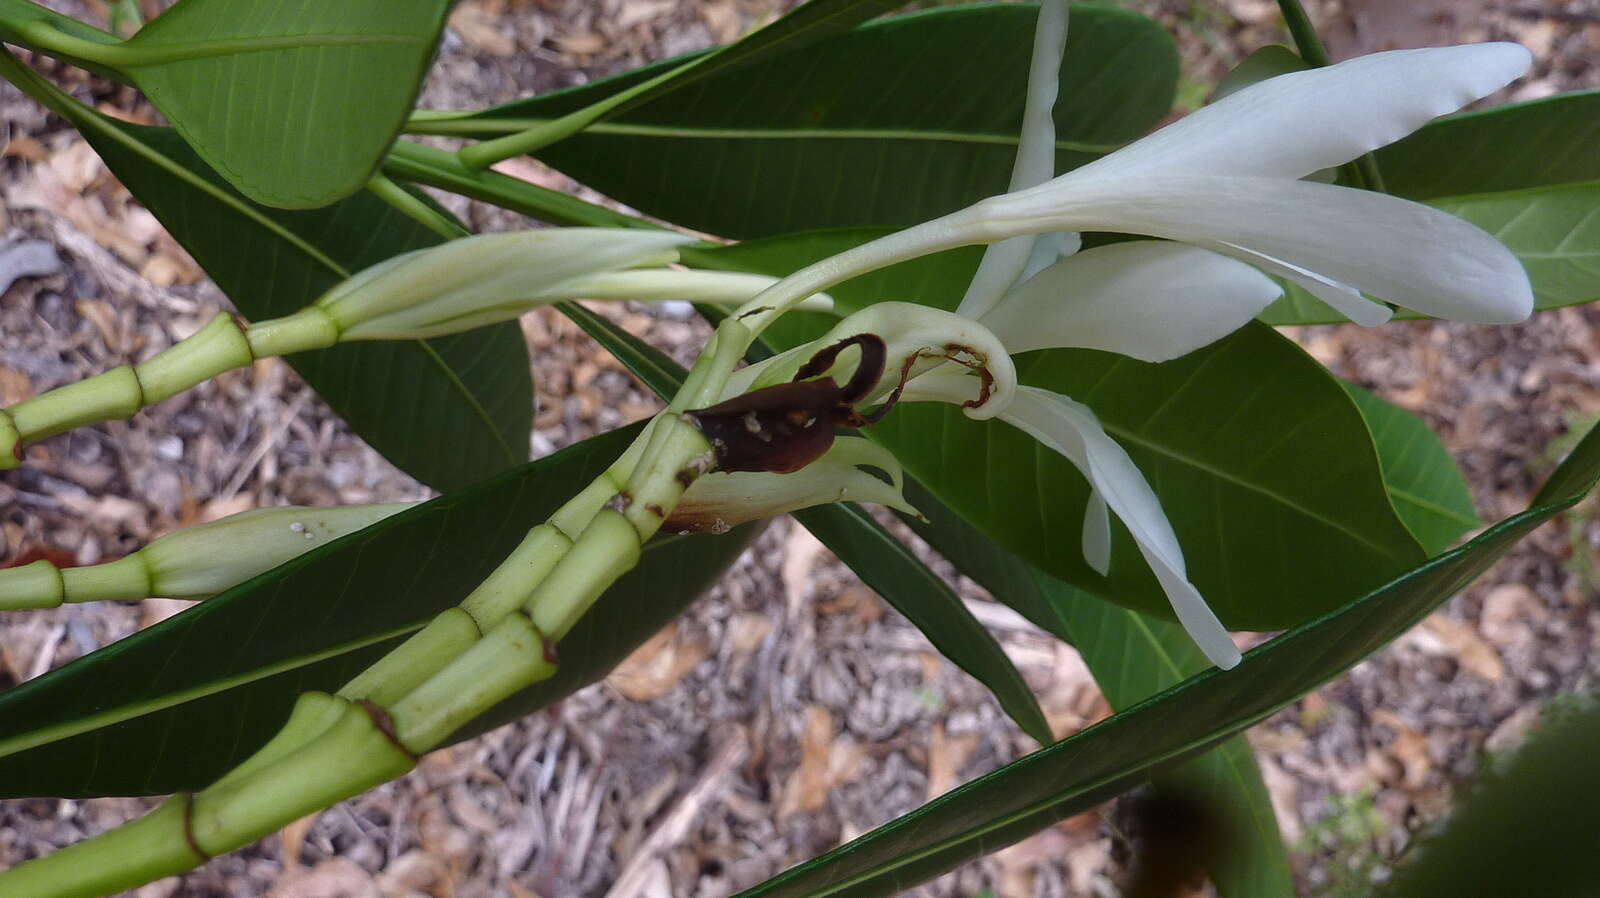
448, 411
808, 24
1078, 773
1427, 487
916, 592
890, 124
1539, 143
1552, 230
174, 706
1225, 436
293, 103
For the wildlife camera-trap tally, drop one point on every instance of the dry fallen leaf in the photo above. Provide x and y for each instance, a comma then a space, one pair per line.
1462, 642
336, 877
655, 667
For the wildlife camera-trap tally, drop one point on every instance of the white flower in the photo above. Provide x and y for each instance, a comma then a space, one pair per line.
1226, 179
1224, 184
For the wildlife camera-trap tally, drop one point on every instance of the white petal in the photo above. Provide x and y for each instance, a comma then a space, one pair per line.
1097, 533
1291, 125
1345, 299
1146, 299
1048, 249
1004, 263
1036, 150
1384, 246
1072, 429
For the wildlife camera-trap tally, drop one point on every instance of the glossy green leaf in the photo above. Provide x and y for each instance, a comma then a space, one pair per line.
890, 124
448, 411
1224, 435
916, 592
1539, 143
1077, 773
803, 26
881, 561
1554, 231
1429, 491
292, 102
174, 706
1132, 656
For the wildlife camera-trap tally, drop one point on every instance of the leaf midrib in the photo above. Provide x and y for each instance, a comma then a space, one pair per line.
1125, 436
134, 54
81, 725
458, 127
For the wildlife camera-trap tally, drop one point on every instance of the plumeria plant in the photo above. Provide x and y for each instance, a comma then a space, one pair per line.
958, 273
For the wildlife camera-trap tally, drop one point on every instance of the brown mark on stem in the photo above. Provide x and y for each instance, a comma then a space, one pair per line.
384, 724
188, 825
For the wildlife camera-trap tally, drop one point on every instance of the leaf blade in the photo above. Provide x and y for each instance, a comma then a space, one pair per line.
701, 148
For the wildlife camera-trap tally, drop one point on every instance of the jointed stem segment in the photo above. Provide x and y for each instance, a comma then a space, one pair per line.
498, 641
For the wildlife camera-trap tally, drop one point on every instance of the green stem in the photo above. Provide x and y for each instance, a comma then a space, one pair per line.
154, 846
438, 168
413, 206
482, 155
1362, 172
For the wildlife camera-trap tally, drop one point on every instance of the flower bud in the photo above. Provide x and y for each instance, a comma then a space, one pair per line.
483, 279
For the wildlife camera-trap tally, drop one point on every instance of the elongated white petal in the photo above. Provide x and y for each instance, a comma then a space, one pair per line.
1146, 299
1005, 263
1097, 533
1072, 429
1048, 249
1291, 125
1391, 248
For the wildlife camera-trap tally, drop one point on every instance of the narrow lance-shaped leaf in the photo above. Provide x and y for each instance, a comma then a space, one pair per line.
125, 721
449, 411
1077, 773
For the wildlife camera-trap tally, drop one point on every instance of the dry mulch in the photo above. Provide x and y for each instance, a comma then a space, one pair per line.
789, 710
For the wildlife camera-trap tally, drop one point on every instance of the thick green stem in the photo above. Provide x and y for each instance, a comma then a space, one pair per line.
122, 391
141, 851
513, 656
